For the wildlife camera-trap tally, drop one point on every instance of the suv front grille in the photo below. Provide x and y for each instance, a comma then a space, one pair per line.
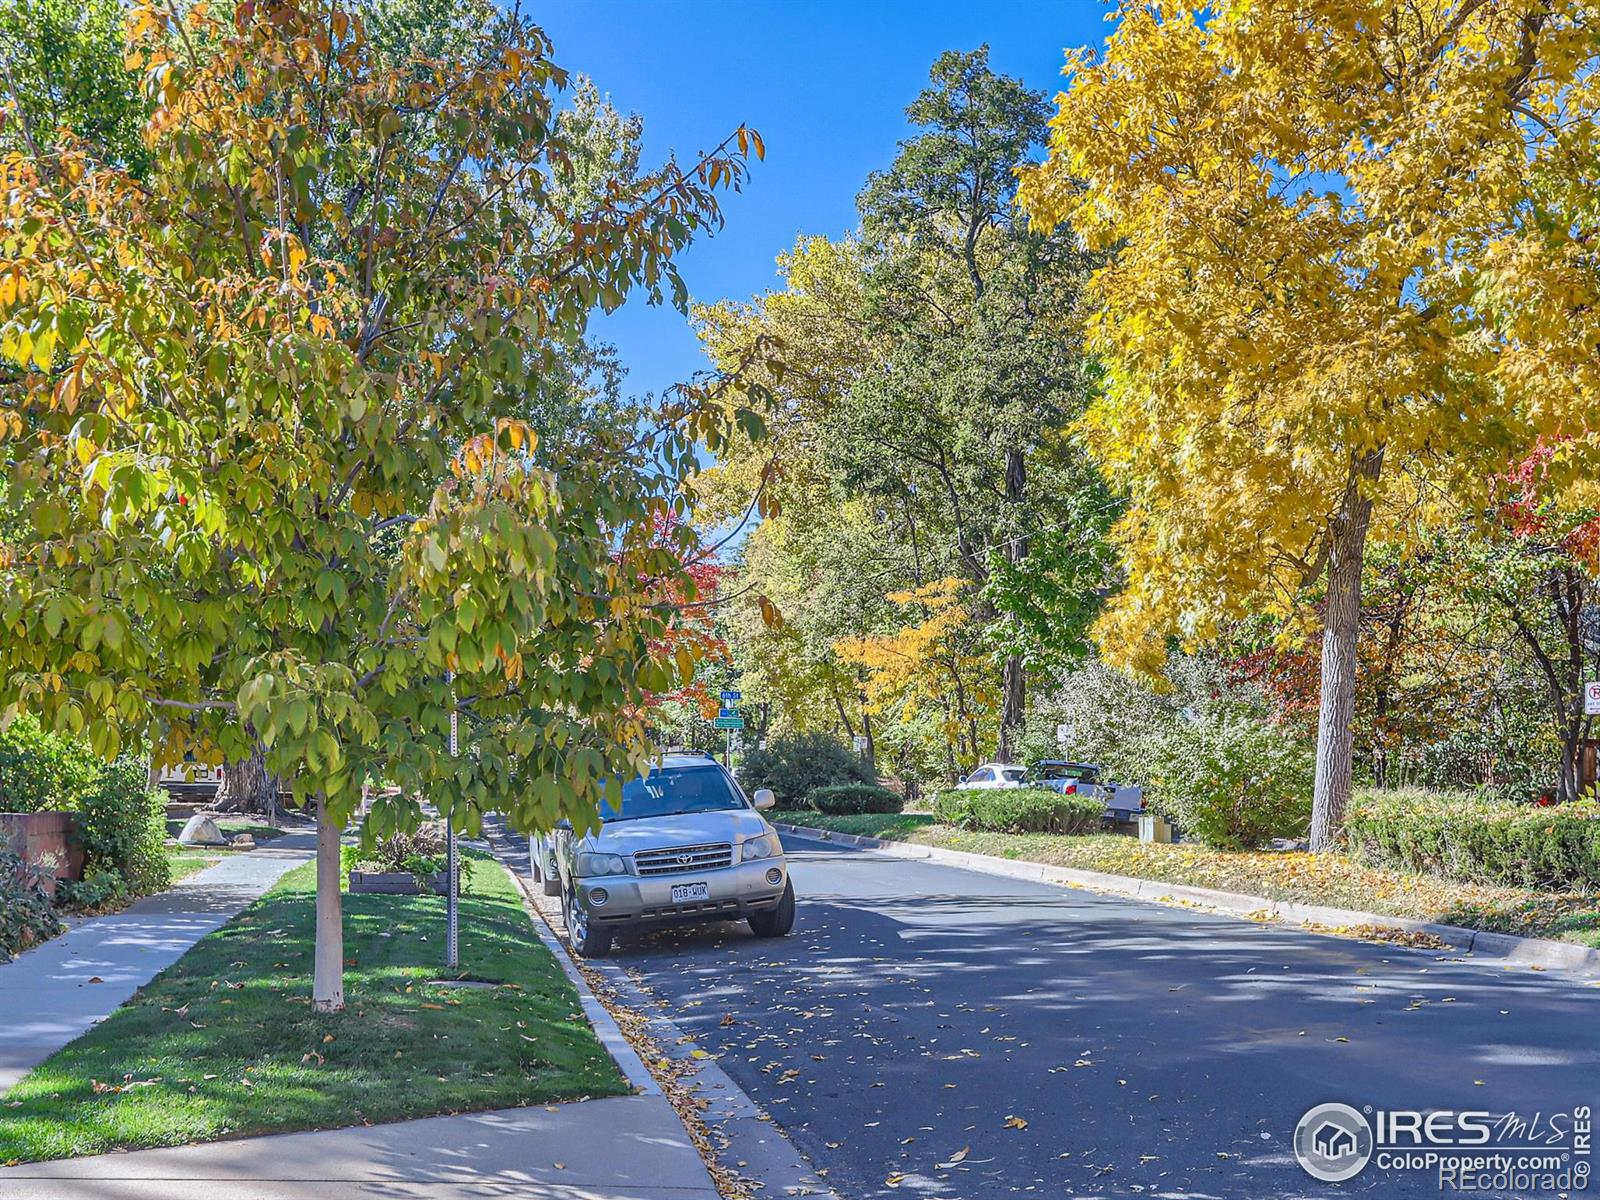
678, 859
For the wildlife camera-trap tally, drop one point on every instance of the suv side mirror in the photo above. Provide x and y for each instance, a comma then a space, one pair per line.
961, 779
765, 799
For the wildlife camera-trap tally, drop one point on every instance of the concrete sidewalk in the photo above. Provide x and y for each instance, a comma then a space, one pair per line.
625, 1148
56, 991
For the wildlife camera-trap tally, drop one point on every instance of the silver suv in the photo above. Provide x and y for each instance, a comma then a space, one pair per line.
685, 845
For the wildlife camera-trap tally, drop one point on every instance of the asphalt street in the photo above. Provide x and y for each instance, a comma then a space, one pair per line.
939, 1032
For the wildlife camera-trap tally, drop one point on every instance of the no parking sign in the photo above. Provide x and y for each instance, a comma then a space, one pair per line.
1591, 699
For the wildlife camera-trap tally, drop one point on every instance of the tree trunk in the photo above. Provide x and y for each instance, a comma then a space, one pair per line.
1014, 675
1570, 785
327, 986
1014, 700
1347, 543
248, 787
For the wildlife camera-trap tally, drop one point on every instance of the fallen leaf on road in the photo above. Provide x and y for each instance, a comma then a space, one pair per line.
955, 1159
1015, 1123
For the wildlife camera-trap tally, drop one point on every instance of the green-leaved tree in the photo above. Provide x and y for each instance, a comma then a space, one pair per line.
271, 418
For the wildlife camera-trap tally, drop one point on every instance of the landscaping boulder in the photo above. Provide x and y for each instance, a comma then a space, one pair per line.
201, 831
242, 841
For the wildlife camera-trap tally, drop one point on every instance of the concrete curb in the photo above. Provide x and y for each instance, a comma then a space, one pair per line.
605, 1025
1479, 944
754, 1139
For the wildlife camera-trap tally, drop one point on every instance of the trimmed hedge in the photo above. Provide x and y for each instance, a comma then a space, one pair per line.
851, 799
39, 770
1479, 841
796, 764
1018, 810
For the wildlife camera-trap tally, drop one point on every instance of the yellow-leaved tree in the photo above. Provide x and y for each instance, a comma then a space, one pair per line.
1305, 198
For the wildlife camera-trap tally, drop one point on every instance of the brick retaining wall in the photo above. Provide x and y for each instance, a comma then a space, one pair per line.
47, 839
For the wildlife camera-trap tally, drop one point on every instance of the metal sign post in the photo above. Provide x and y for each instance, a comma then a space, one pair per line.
729, 719
453, 888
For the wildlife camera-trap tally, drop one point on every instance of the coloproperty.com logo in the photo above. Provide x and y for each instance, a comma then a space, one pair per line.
1463, 1150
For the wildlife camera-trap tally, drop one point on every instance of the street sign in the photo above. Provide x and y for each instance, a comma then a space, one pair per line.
860, 743
731, 696
1591, 699
729, 721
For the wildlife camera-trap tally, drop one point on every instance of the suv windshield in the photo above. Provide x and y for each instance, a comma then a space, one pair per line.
672, 791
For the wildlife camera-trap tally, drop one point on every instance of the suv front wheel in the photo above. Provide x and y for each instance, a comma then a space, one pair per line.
775, 922
587, 939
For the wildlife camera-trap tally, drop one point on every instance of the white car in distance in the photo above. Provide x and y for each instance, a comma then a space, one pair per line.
994, 775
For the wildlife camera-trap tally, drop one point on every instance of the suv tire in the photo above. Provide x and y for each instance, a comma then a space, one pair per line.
587, 939
775, 922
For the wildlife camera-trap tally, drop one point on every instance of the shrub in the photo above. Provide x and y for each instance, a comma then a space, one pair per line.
794, 764
1232, 780
103, 888
1480, 841
125, 827
1018, 810
848, 799
40, 771
26, 915
122, 819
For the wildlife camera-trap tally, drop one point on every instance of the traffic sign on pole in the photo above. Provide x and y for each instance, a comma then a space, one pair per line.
731, 696
1591, 699
727, 720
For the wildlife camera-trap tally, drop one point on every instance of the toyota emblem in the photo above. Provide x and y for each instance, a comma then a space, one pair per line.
685, 859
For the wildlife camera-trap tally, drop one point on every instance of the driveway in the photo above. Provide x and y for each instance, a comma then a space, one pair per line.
940, 1032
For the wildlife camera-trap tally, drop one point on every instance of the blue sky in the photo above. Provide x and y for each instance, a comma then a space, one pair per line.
825, 82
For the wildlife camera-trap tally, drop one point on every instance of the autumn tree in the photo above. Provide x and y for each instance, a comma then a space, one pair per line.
274, 427
1538, 569
984, 367
931, 365
1306, 201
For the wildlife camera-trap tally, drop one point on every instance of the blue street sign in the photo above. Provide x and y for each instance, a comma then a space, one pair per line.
731, 696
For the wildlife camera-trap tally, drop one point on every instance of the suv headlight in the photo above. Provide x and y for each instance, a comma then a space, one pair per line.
765, 846
601, 864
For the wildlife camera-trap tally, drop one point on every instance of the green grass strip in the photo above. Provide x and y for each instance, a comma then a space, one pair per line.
224, 1042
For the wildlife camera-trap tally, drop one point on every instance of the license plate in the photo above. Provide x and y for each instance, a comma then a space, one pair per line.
688, 893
